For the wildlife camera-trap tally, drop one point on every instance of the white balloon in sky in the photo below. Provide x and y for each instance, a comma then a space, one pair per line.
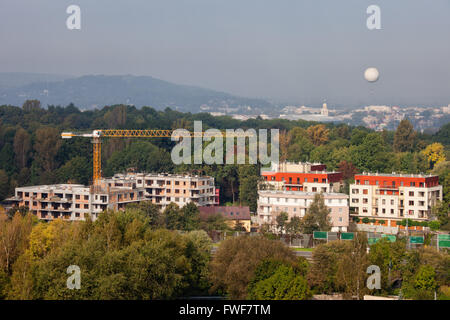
371, 74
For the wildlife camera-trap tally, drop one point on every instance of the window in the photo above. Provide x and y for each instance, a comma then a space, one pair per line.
365, 191
383, 201
366, 182
392, 202
314, 189
411, 203
411, 193
86, 206
412, 184
77, 206
401, 183
355, 191
392, 211
365, 200
377, 182
306, 179
340, 219
86, 197
340, 209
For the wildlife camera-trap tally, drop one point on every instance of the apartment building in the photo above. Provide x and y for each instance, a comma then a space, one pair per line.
162, 189
302, 176
394, 197
74, 201
295, 203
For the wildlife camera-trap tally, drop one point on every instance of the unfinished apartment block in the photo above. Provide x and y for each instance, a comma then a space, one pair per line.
76, 201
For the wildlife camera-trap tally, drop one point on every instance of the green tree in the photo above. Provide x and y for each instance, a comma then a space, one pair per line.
317, 216
404, 137
284, 284
4, 185
281, 220
236, 259
22, 147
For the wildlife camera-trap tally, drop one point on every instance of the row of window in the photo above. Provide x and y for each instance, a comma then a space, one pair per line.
410, 193
391, 183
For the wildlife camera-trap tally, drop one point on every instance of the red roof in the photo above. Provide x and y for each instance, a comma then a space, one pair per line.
228, 212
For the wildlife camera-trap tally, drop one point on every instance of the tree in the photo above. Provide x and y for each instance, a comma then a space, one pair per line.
434, 154
318, 134
294, 226
423, 284
348, 169
22, 147
284, 284
31, 105
236, 259
248, 186
4, 185
190, 219
371, 154
404, 137
13, 239
281, 220
317, 216
172, 214
47, 146
76, 170
214, 222
351, 267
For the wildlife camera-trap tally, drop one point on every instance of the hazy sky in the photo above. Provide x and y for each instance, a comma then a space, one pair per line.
291, 50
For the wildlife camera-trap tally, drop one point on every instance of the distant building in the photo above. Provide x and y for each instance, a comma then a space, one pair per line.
163, 188
324, 110
232, 214
295, 203
302, 176
394, 197
74, 201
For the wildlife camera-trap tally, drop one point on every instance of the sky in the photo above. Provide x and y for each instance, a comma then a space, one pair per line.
293, 51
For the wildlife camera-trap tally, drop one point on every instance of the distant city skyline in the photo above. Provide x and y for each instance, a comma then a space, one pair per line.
285, 51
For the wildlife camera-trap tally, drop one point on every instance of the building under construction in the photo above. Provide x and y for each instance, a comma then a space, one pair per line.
75, 202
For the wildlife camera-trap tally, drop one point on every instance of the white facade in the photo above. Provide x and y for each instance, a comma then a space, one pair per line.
296, 203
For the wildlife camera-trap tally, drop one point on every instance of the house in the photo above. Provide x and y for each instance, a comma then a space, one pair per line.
232, 214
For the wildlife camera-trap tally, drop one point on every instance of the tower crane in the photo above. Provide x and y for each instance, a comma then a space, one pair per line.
97, 135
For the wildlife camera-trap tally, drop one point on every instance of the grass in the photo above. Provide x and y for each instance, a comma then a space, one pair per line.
302, 249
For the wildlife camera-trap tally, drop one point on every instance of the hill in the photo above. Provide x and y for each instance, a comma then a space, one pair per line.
96, 91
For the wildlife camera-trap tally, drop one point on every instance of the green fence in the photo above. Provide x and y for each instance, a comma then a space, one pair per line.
347, 236
390, 237
320, 235
444, 240
416, 239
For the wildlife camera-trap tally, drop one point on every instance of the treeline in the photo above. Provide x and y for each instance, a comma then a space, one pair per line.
258, 268
142, 253
32, 151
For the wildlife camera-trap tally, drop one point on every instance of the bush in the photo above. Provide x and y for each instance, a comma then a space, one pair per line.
365, 220
434, 225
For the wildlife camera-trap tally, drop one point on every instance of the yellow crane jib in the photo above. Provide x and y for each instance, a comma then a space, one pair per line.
96, 136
